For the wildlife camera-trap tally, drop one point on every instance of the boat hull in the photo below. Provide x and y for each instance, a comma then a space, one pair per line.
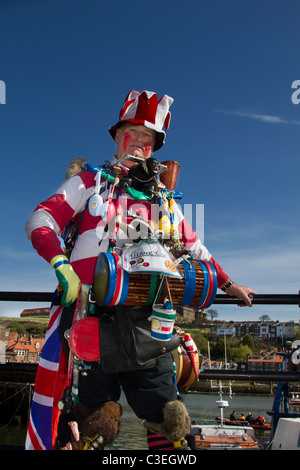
218, 437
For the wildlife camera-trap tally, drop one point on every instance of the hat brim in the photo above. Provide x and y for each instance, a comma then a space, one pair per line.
159, 135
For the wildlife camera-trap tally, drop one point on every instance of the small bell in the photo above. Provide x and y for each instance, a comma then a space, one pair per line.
67, 334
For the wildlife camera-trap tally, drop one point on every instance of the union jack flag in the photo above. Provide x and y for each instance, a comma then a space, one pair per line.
50, 383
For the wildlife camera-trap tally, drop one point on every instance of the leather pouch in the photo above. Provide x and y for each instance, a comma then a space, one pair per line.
126, 342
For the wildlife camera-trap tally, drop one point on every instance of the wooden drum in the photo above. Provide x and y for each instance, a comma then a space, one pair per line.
198, 285
185, 374
115, 286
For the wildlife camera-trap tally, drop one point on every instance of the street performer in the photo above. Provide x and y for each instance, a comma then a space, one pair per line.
100, 208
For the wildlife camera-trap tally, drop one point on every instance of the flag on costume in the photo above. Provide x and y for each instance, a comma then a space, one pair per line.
49, 386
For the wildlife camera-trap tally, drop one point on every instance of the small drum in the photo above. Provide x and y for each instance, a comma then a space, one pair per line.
185, 374
114, 286
84, 339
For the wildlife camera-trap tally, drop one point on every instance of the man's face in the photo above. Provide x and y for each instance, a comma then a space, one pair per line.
134, 140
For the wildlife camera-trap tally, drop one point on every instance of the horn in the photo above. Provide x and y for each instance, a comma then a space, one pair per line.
169, 177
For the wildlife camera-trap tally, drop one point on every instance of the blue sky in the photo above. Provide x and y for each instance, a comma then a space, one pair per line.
229, 65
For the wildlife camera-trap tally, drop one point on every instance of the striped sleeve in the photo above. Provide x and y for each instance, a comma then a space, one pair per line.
192, 243
51, 216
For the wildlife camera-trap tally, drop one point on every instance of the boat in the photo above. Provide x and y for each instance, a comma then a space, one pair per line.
223, 436
294, 400
228, 422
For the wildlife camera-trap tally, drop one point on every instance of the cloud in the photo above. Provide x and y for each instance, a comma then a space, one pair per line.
267, 118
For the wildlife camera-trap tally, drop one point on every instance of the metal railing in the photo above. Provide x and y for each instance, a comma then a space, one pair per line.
262, 299
276, 299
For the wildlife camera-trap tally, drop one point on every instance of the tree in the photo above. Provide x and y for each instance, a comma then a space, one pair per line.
265, 318
240, 353
218, 351
18, 327
212, 313
248, 341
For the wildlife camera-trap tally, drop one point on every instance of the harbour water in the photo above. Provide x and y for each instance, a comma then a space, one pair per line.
200, 407
132, 435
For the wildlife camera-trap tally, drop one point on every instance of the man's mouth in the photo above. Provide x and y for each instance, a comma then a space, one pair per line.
137, 151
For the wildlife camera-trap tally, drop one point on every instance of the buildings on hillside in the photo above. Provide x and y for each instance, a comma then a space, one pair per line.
15, 347
35, 312
259, 330
266, 360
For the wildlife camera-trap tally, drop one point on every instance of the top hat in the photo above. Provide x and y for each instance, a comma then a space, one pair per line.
145, 109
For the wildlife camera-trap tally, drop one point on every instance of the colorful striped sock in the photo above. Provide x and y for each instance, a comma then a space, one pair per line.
158, 442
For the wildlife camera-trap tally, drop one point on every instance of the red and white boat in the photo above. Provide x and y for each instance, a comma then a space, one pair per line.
222, 436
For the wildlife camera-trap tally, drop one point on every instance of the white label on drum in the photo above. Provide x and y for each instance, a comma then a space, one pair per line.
149, 257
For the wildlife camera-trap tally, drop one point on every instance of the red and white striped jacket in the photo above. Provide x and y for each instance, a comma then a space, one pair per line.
48, 222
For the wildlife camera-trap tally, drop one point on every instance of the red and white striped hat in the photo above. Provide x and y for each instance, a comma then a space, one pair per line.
146, 110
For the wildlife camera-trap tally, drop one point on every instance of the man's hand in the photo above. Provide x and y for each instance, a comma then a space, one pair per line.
241, 292
67, 277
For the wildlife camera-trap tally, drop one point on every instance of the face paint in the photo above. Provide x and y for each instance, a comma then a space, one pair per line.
134, 140
127, 138
148, 149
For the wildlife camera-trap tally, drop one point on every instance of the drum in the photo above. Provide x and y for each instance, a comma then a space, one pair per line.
113, 285
84, 339
185, 374
197, 288
111, 282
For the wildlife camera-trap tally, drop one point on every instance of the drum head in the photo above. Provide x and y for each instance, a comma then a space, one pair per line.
105, 279
84, 339
178, 359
